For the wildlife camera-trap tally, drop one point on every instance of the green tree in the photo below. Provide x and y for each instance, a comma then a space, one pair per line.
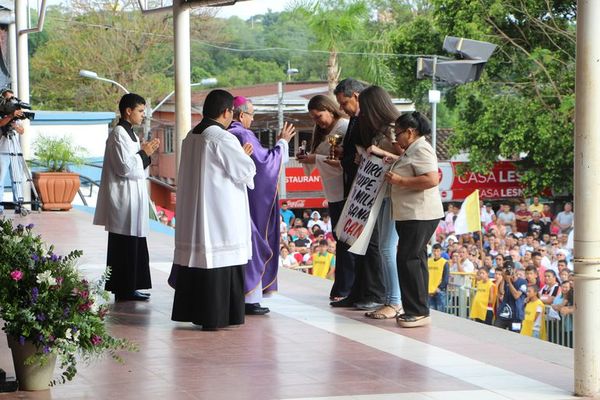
524, 105
118, 43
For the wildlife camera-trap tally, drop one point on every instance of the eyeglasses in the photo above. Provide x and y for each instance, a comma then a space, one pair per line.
249, 113
400, 132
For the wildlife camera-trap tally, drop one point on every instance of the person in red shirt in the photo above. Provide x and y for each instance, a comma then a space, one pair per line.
523, 216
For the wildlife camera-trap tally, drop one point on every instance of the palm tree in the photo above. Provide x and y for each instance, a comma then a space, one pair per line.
337, 24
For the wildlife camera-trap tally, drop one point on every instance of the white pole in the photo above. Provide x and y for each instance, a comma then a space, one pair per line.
12, 46
22, 65
587, 192
21, 10
183, 94
434, 111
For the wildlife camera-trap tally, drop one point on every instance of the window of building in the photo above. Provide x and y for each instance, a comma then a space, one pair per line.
168, 139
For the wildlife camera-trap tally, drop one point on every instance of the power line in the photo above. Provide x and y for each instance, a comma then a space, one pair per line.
250, 50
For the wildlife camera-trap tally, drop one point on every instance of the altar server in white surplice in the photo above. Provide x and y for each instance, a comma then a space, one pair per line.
122, 206
213, 234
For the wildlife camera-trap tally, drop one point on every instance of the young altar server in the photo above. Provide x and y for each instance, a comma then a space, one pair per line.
213, 234
122, 206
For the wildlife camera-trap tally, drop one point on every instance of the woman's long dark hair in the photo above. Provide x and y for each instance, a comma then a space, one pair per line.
414, 120
377, 114
322, 103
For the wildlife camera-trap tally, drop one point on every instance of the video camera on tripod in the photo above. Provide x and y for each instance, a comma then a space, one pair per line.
9, 105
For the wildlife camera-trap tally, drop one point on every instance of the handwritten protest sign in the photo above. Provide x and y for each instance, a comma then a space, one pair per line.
364, 201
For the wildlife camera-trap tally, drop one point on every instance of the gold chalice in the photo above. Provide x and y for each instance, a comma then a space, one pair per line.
333, 140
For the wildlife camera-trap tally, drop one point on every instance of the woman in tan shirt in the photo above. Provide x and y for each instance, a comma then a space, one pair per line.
417, 210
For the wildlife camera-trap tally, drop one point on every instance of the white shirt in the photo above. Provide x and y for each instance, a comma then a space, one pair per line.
213, 214
331, 177
122, 205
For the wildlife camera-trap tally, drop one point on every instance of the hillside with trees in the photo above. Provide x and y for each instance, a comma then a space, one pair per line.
522, 106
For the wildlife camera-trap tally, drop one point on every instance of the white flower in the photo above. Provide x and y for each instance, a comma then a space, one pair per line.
46, 277
72, 336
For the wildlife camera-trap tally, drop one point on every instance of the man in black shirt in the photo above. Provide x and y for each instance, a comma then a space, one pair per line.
359, 278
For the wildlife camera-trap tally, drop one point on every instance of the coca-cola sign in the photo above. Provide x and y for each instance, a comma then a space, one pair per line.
318, 202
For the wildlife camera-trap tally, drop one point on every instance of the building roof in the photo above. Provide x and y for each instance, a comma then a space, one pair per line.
72, 118
442, 143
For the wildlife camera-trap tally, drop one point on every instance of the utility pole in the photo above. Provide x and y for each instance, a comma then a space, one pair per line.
434, 98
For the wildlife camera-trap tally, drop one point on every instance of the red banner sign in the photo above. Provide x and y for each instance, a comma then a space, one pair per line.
297, 181
502, 182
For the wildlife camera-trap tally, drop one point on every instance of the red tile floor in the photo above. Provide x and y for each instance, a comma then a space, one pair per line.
302, 349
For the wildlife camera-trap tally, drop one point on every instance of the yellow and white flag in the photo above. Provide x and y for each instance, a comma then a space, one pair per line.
469, 217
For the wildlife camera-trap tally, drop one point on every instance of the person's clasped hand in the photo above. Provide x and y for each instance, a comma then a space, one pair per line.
151, 146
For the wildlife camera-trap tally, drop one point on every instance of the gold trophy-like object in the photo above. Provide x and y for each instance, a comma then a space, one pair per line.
333, 141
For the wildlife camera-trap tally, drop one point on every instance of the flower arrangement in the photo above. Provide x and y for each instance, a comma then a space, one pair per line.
45, 300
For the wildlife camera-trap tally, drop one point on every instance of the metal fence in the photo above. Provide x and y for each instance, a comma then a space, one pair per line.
458, 303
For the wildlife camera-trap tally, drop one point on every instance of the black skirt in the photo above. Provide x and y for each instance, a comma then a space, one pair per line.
129, 264
213, 298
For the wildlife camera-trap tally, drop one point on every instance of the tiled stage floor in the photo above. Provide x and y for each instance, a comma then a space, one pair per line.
302, 349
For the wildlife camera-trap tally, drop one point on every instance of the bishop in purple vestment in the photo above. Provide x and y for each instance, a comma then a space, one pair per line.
261, 272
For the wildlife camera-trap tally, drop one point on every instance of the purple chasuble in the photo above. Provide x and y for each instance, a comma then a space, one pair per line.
264, 212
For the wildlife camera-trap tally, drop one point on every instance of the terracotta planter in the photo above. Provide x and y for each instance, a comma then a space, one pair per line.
30, 377
56, 189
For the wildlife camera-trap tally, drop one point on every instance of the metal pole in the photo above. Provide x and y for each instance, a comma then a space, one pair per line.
148, 120
434, 111
280, 105
587, 192
282, 179
183, 94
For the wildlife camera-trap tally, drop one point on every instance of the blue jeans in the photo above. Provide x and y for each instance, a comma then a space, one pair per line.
388, 245
438, 301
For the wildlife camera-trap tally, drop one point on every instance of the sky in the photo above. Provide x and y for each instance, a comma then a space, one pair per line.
243, 9
246, 9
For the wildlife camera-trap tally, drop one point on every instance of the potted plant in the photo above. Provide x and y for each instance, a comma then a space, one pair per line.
49, 309
57, 186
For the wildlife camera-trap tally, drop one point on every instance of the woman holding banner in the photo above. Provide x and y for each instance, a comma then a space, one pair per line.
377, 117
328, 120
417, 210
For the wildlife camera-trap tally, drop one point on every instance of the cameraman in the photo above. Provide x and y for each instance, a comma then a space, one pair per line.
512, 294
8, 126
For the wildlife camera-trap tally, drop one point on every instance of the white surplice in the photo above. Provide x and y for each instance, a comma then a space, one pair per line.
122, 205
213, 214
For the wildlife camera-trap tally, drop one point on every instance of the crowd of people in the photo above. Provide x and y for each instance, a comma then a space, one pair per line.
518, 270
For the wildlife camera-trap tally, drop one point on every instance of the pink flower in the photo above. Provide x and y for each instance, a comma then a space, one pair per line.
16, 275
96, 340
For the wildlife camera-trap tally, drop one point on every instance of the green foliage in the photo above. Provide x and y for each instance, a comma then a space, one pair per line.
45, 300
523, 107
57, 153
